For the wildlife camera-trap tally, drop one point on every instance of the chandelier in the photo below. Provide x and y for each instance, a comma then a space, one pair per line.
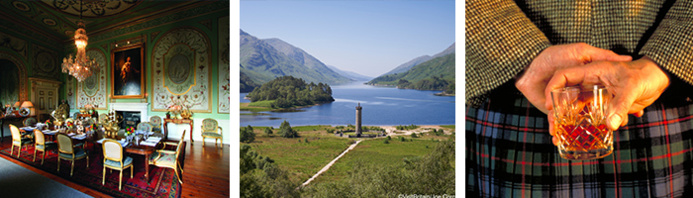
81, 66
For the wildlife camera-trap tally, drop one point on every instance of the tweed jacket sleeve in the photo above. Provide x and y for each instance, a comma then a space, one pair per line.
500, 42
671, 44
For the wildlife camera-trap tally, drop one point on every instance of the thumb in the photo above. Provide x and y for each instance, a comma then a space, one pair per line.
618, 109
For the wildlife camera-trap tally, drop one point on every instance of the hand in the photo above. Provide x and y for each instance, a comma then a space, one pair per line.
635, 85
534, 79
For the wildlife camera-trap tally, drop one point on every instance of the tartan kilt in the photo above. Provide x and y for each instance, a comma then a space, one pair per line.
509, 154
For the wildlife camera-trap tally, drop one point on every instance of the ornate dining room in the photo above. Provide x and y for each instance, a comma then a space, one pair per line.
114, 98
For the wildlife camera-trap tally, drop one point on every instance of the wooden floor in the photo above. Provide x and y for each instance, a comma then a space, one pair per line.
206, 171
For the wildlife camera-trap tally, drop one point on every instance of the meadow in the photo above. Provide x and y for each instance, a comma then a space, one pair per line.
303, 159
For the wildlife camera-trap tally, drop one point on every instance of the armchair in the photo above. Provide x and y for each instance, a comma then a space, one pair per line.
169, 159
211, 129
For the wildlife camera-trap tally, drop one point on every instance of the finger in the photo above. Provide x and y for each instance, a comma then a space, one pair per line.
555, 141
551, 119
618, 108
591, 54
639, 113
563, 78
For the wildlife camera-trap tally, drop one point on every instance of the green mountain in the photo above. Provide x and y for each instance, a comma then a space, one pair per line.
404, 67
263, 60
435, 74
247, 84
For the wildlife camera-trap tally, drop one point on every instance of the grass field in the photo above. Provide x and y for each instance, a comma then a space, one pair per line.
257, 106
300, 159
376, 152
448, 126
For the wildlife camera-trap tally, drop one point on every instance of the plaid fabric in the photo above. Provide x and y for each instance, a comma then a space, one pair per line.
509, 154
503, 36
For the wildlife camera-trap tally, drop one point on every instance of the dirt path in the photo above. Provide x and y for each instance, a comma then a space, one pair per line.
327, 167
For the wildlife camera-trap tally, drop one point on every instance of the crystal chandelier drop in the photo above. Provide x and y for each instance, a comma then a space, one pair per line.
81, 66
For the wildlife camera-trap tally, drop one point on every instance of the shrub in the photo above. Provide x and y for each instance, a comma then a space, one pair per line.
247, 134
413, 135
386, 141
286, 131
268, 131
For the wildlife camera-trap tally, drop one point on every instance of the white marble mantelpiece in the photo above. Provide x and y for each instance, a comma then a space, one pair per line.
137, 107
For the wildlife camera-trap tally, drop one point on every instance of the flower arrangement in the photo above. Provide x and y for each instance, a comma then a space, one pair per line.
70, 124
48, 122
180, 107
130, 130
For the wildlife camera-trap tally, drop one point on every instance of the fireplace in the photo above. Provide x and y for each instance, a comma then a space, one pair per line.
133, 113
130, 119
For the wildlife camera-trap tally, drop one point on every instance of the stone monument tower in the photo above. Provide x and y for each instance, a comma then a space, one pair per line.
358, 120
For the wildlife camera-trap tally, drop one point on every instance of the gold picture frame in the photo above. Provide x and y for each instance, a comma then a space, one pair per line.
128, 71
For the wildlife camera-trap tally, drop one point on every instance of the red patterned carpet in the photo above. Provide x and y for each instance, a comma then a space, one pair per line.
162, 181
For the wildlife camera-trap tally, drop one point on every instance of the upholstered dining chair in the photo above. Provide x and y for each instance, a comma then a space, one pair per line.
67, 151
113, 158
144, 126
40, 144
169, 159
102, 118
211, 129
18, 140
156, 122
30, 121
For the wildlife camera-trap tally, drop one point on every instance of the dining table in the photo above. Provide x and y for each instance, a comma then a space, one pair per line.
145, 147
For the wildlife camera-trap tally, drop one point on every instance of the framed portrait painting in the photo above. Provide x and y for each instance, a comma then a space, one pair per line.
127, 72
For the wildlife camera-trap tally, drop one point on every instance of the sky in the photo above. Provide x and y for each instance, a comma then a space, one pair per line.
369, 37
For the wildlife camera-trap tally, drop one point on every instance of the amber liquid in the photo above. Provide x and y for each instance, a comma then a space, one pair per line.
586, 141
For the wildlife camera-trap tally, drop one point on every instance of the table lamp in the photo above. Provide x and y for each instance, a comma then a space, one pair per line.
27, 104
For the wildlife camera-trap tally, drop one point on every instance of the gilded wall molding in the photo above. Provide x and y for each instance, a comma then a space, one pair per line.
93, 90
182, 67
224, 86
23, 90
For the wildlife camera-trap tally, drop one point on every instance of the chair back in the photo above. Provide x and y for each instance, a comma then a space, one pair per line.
144, 126
112, 150
65, 144
16, 135
155, 121
182, 137
102, 118
210, 125
30, 121
40, 138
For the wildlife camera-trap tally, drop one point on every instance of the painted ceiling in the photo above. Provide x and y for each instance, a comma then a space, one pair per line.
57, 19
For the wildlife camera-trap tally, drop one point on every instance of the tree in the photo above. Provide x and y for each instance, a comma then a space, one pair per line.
286, 131
247, 134
268, 131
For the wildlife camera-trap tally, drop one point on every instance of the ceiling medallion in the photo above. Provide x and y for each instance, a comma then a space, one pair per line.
21, 6
92, 8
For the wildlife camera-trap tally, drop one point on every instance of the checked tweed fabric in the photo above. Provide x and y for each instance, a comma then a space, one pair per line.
503, 37
511, 155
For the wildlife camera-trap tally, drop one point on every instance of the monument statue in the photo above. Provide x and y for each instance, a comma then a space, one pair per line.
358, 120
